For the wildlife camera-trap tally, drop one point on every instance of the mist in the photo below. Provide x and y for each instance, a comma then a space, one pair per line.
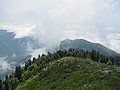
49, 22
5, 67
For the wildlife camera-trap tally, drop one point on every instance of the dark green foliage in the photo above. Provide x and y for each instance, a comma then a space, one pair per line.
53, 65
6, 77
39, 56
70, 73
56, 56
6, 85
98, 56
61, 53
34, 60
109, 62
85, 56
94, 55
33, 67
1, 85
11, 76
18, 73
28, 63
26, 66
13, 82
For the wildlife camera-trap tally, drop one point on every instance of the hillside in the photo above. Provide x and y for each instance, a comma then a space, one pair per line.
86, 45
14, 48
72, 69
13, 51
70, 73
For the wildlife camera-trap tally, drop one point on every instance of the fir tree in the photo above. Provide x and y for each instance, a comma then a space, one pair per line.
18, 73
1, 85
93, 55
6, 85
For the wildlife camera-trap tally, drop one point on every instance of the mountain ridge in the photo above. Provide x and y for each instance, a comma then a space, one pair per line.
13, 51
74, 74
66, 69
86, 45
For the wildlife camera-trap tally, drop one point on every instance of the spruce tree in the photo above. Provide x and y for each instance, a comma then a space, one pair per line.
6, 85
1, 85
94, 55
18, 73
98, 56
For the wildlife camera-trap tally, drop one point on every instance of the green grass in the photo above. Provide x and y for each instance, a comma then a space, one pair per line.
70, 73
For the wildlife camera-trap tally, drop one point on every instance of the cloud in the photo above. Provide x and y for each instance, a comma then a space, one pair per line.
19, 30
36, 52
13, 55
4, 65
40, 51
118, 35
54, 20
115, 45
60, 11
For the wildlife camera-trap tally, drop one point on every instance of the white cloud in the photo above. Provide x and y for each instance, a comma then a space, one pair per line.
13, 55
4, 65
115, 45
94, 20
118, 35
19, 30
35, 52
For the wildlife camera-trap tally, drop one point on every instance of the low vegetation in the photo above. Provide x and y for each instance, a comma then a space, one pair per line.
66, 70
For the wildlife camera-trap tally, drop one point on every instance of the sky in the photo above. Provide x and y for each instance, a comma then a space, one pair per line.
50, 21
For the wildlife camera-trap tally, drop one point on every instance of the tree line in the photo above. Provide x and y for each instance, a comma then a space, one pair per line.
34, 66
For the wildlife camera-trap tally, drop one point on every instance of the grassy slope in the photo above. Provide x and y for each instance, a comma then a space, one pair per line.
71, 73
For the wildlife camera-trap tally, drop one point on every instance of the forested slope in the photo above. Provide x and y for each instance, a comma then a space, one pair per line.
66, 70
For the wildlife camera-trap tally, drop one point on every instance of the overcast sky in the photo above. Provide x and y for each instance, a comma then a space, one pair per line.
50, 21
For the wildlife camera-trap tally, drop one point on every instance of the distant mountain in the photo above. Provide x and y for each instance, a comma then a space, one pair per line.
14, 48
11, 47
14, 51
86, 45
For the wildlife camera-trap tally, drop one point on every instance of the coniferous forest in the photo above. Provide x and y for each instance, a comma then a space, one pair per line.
73, 69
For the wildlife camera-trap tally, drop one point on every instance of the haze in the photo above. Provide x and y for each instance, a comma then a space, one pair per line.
50, 21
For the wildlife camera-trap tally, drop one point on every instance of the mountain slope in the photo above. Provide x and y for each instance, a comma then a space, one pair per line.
70, 73
86, 45
13, 51
14, 47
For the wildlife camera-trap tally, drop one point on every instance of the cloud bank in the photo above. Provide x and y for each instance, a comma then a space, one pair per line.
18, 29
52, 21
4, 65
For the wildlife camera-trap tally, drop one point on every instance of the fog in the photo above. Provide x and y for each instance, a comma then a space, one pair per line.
51, 21
4, 65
